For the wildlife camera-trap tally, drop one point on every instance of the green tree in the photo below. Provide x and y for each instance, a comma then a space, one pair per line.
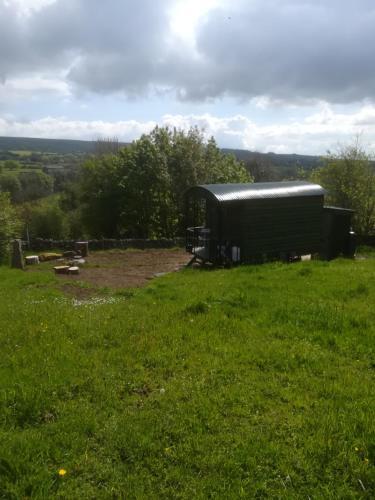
10, 183
100, 194
146, 193
262, 169
349, 178
9, 225
45, 219
190, 160
35, 184
12, 165
139, 192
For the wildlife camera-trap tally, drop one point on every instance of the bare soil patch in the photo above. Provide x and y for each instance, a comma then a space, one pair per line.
117, 269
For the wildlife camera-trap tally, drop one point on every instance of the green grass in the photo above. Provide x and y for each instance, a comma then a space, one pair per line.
255, 382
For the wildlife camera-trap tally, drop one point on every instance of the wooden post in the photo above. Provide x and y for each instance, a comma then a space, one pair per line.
17, 256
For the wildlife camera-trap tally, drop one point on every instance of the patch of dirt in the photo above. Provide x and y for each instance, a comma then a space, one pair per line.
118, 269
77, 292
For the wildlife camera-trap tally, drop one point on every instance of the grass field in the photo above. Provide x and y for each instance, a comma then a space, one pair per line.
255, 382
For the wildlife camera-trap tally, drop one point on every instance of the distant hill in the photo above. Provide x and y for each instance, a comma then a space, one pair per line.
288, 163
60, 146
284, 161
45, 145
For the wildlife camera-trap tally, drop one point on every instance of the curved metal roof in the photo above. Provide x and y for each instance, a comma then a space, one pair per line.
259, 190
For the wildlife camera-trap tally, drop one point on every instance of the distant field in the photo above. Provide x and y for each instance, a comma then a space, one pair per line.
255, 382
22, 152
22, 170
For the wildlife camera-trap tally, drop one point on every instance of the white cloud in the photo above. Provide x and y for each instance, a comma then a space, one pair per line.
185, 16
33, 87
313, 135
61, 128
28, 6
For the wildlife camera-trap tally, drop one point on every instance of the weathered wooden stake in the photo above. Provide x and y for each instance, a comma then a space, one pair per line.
17, 255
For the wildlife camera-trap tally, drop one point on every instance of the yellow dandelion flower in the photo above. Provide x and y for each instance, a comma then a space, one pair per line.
62, 472
366, 460
356, 449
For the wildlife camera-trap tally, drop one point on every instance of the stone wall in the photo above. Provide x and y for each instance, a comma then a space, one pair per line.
40, 244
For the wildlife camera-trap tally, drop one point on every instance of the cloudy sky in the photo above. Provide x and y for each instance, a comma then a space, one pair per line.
266, 75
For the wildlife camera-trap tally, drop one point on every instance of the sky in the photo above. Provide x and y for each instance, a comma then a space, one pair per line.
282, 76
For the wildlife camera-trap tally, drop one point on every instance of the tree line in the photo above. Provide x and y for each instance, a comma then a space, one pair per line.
138, 191
135, 192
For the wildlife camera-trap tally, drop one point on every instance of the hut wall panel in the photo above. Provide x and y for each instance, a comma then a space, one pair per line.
274, 225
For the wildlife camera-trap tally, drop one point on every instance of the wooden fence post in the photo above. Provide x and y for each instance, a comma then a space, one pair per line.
17, 255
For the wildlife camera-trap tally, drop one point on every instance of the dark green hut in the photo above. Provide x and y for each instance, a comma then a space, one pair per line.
255, 222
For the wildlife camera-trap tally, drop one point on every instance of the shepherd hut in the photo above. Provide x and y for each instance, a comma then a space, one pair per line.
239, 223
